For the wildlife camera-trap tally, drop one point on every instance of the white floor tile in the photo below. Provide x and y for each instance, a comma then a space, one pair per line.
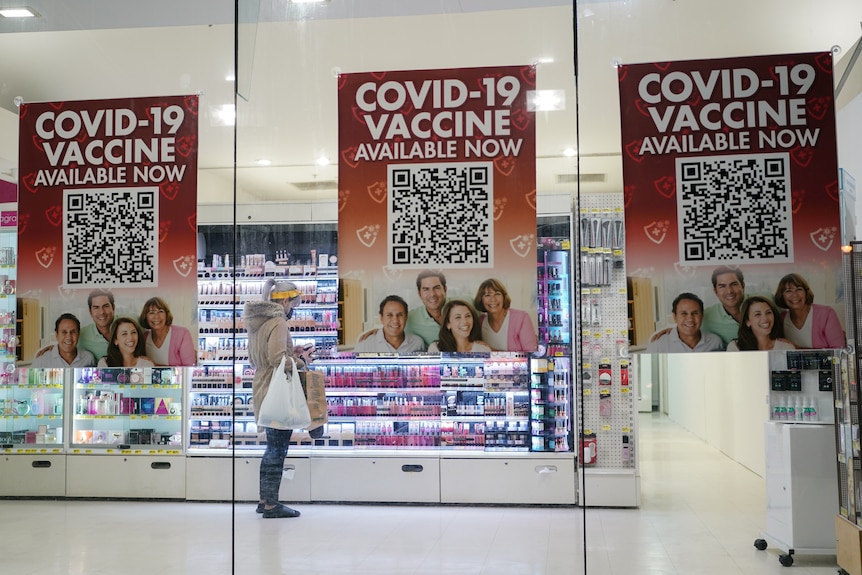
700, 514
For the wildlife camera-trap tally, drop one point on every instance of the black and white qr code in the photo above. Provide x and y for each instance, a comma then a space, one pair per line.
441, 215
111, 237
734, 209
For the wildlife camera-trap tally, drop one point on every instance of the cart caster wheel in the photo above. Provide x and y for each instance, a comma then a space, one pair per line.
786, 560
842, 572
760, 544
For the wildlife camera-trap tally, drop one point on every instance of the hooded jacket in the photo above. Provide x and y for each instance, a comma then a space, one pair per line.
268, 341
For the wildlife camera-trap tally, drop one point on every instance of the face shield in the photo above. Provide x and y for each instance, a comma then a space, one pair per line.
285, 293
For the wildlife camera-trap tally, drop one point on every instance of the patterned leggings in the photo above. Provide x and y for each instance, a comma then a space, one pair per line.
272, 464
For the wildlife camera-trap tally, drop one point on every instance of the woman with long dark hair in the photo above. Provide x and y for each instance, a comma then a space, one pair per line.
126, 346
461, 329
761, 327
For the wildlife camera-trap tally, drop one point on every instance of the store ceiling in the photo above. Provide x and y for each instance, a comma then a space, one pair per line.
121, 48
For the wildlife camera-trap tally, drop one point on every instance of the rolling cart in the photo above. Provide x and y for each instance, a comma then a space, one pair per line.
801, 490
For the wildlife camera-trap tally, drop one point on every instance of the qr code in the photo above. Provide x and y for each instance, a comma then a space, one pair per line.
734, 209
441, 215
110, 237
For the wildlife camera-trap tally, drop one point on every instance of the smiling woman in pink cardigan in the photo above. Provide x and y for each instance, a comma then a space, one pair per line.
166, 344
503, 328
807, 324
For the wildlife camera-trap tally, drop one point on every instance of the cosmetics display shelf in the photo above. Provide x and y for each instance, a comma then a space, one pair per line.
8, 304
487, 402
221, 412
127, 411
31, 412
554, 294
551, 399
32, 433
550, 404
380, 402
222, 293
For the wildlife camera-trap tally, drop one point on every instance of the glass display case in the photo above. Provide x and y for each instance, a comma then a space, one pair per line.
221, 412
551, 398
31, 411
554, 296
550, 404
127, 410
381, 403
487, 401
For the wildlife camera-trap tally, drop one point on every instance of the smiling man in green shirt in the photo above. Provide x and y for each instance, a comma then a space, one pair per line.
723, 318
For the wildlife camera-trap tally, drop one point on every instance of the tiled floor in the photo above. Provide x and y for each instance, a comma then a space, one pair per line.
700, 514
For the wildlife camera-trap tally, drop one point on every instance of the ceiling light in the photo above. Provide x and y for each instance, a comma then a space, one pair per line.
229, 78
308, 1
570, 152
22, 12
263, 162
322, 160
546, 100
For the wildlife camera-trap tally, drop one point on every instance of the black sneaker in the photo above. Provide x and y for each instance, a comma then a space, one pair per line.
280, 511
260, 507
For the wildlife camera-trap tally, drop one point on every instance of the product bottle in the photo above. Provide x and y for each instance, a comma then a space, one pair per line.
806, 409
777, 408
814, 415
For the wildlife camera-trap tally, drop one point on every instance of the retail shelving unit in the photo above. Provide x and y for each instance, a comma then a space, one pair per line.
220, 393
126, 424
33, 460
848, 412
801, 483
390, 427
551, 399
32, 454
607, 447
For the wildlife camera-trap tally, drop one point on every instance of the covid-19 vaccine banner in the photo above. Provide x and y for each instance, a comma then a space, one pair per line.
438, 174
108, 201
731, 185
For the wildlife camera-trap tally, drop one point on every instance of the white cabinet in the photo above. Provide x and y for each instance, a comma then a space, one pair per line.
508, 480
33, 475
126, 476
801, 487
209, 478
379, 478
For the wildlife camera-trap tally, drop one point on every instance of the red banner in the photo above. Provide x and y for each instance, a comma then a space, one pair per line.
732, 162
437, 173
107, 201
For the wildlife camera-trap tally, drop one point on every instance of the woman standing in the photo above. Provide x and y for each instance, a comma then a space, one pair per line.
126, 346
268, 342
760, 328
503, 327
166, 344
807, 324
460, 331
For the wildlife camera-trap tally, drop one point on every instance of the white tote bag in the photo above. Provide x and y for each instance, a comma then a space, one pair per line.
284, 406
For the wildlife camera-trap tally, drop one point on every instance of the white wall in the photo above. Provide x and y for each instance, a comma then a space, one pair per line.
8, 144
722, 399
849, 124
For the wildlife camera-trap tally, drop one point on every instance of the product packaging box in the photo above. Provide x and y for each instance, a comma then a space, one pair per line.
83, 436
148, 405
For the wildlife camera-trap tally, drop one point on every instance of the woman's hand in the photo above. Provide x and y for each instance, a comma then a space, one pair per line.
304, 352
